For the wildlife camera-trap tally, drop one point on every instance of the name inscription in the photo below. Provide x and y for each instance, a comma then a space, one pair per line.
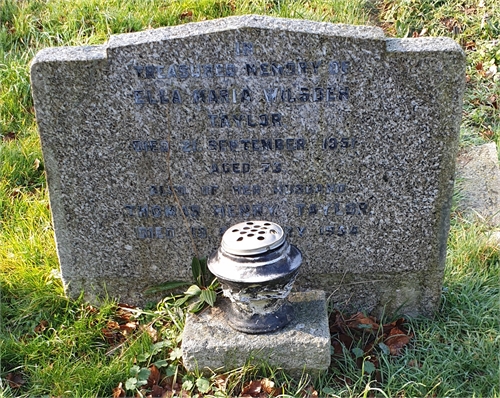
225, 92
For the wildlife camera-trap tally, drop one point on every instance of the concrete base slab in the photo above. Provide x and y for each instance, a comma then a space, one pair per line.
209, 343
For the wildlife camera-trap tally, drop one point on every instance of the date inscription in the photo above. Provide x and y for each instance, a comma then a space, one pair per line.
225, 98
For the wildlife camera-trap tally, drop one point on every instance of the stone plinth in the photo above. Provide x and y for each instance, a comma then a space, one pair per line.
209, 343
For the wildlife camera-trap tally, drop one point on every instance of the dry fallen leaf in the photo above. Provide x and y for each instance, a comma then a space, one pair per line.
252, 389
124, 312
221, 381
15, 380
154, 376
492, 71
91, 309
41, 326
269, 387
149, 329
186, 14
157, 391
487, 134
112, 333
9, 136
128, 328
397, 340
451, 24
113, 325
310, 392
351, 332
494, 101
119, 392
342, 340
470, 45
362, 322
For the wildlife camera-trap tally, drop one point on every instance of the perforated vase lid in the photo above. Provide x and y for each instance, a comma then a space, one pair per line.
252, 237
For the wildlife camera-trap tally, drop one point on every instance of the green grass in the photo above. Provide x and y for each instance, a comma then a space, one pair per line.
59, 347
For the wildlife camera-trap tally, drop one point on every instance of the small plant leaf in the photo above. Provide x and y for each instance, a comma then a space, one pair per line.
203, 385
204, 272
143, 374
197, 307
358, 352
143, 357
157, 347
141, 383
180, 302
385, 349
328, 391
193, 291
187, 385
161, 363
171, 370
196, 270
163, 287
369, 367
208, 296
134, 370
176, 353
131, 383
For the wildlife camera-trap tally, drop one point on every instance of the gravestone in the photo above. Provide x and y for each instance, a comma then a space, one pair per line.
478, 173
158, 141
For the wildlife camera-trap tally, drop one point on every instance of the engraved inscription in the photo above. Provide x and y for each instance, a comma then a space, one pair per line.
338, 230
155, 232
184, 71
242, 120
337, 208
225, 98
257, 145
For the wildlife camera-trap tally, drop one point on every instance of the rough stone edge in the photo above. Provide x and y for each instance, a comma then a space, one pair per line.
57, 59
68, 54
423, 44
246, 21
91, 53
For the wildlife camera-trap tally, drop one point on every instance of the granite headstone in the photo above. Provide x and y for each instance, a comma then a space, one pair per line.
478, 173
156, 142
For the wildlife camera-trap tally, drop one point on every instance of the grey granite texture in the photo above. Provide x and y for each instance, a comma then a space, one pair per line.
345, 138
209, 343
479, 183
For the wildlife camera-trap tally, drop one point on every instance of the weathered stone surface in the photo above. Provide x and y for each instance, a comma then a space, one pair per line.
209, 343
157, 141
479, 183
